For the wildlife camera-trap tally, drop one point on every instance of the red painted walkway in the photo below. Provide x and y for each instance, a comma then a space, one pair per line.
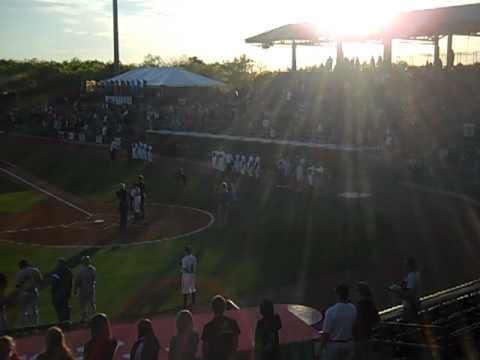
294, 330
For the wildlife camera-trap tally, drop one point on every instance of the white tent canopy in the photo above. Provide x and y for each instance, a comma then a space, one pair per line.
166, 76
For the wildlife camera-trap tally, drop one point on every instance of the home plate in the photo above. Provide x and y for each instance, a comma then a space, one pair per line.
99, 221
355, 195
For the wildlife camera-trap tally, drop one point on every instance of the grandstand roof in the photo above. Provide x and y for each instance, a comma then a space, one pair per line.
457, 20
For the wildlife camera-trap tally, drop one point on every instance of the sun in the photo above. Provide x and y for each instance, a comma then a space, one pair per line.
353, 17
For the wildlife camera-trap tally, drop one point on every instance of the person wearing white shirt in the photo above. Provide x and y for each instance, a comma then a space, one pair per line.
189, 270
28, 281
337, 329
243, 165
409, 292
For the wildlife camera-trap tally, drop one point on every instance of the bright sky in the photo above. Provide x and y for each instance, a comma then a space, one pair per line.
210, 29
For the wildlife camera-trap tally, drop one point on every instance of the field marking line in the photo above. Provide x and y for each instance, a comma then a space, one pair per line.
36, 187
141, 243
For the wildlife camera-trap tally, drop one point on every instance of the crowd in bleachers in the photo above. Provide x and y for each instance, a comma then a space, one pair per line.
356, 104
76, 120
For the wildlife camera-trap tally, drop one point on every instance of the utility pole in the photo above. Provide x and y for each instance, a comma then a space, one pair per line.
116, 56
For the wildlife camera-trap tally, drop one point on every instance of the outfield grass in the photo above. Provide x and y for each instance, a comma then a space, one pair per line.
275, 239
19, 201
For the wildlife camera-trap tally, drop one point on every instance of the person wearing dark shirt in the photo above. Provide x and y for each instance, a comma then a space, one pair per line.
61, 281
220, 335
267, 342
143, 192
367, 319
147, 345
183, 345
102, 345
7, 349
122, 196
56, 347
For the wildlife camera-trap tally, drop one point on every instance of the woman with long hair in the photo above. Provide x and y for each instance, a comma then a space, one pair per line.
183, 346
267, 342
147, 346
56, 348
102, 345
367, 319
7, 349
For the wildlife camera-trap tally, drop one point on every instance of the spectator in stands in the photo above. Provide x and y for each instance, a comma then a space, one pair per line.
61, 279
337, 330
220, 335
7, 349
147, 346
102, 345
183, 346
56, 348
267, 342
3, 303
189, 270
85, 287
409, 292
28, 281
367, 318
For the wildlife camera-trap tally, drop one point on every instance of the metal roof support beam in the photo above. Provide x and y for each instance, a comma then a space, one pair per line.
294, 56
436, 51
387, 51
450, 53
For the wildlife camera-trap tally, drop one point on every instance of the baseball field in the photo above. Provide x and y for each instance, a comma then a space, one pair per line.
58, 200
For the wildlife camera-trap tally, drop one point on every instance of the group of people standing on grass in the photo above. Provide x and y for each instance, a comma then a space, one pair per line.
132, 200
220, 338
30, 281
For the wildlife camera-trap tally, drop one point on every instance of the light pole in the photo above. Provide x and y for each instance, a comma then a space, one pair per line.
116, 56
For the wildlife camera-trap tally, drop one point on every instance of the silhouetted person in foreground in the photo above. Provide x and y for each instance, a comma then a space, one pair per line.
267, 343
147, 345
183, 346
102, 345
409, 292
56, 348
367, 319
220, 335
7, 349
337, 332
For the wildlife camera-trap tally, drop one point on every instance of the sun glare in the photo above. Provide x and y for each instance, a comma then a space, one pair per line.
353, 17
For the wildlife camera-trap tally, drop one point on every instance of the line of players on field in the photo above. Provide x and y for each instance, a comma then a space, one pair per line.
142, 151
240, 164
298, 170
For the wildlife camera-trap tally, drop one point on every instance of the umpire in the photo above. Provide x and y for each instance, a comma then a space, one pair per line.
61, 279
143, 193
122, 196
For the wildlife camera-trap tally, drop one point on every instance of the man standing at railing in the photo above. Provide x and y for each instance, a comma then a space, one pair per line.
409, 292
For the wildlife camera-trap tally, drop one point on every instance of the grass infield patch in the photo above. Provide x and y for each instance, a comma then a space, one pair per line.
19, 201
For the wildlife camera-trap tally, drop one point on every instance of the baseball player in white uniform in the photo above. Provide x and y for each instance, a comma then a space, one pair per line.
189, 271
85, 288
28, 280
